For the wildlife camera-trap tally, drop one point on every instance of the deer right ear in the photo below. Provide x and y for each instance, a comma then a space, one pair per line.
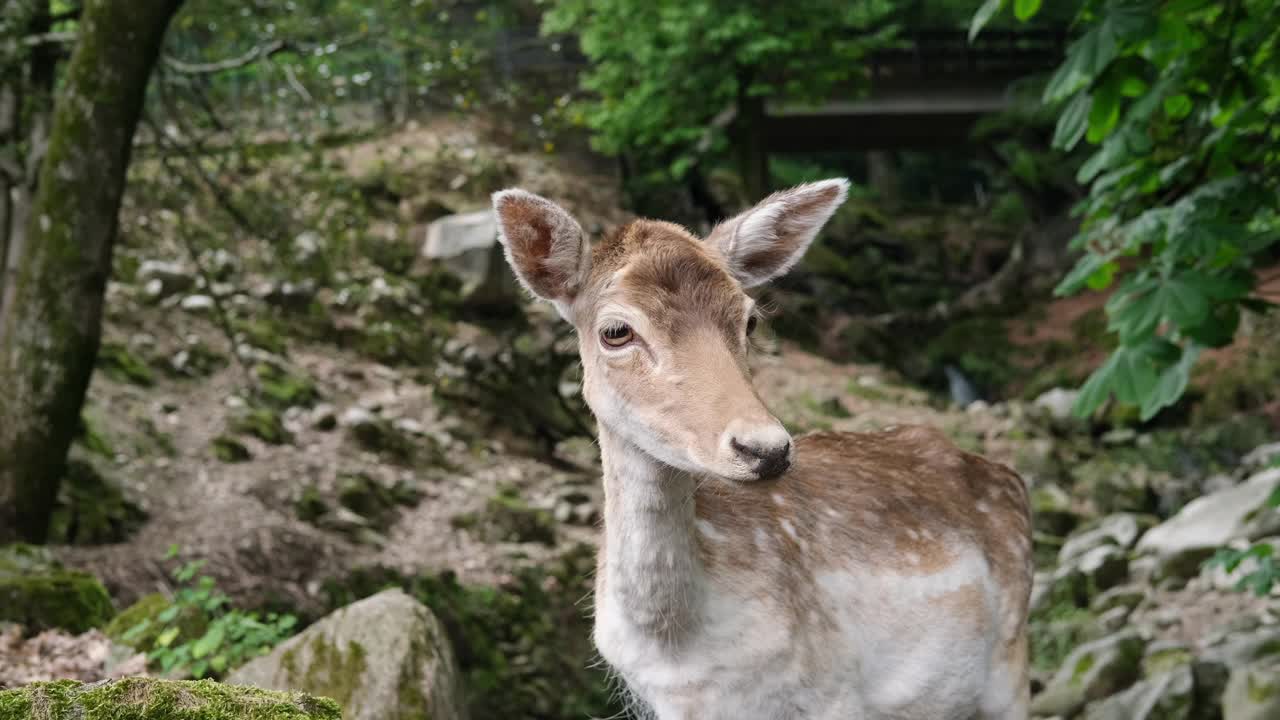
544, 245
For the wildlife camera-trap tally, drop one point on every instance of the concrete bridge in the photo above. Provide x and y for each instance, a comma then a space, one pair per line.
927, 91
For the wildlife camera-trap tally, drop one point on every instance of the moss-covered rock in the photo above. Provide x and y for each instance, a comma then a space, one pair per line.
154, 699
38, 593
1253, 692
383, 658
1167, 696
507, 517
1091, 672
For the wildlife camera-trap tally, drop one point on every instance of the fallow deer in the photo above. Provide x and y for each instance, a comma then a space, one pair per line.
743, 575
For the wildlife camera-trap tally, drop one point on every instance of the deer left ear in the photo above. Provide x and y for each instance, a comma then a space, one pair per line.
770, 238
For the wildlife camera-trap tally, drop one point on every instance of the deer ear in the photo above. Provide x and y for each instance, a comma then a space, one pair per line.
544, 245
767, 240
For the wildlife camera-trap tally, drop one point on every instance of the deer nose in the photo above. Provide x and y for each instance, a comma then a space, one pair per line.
771, 459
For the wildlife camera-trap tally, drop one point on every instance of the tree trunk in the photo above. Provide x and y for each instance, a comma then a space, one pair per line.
747, 136
51, 312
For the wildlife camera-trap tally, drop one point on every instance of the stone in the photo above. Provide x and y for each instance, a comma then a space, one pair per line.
143, 698
323, 417
1057, 403
38, 593
198, 304
1120, 530
1092, 671
1253, 692
1261, 457
1214, 520
467, 245
1241, 648
383, 658
1123, 596
1169, 696
161, 279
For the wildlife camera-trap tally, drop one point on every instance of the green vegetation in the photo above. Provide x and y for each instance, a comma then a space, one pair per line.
155, 699
198, 634
1179, 99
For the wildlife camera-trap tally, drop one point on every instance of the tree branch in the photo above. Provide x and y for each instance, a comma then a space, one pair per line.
260, 52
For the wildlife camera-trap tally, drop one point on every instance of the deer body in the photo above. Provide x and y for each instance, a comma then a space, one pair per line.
742, 574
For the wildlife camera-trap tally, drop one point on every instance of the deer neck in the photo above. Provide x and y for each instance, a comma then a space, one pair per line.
651, 568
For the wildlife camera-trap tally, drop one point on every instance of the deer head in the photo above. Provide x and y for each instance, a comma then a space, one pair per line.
663, 321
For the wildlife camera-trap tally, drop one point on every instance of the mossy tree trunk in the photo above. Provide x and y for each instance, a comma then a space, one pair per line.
51, 309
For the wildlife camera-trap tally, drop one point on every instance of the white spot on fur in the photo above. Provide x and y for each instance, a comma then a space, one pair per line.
983, 507
709, 531
833, 513
913, 558
777, 498
791, 529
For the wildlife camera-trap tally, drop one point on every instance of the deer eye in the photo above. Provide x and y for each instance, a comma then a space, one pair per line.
617, 335
751, 325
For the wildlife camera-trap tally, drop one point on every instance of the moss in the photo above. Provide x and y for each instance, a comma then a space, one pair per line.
263, 332
230, 450
1082, 668
378, 435
332, 672
91, 510
154, 699
196, 360
93, 439
310, 506
138, 625
38, 593
122, 365
262, 423
508, 518
279, 388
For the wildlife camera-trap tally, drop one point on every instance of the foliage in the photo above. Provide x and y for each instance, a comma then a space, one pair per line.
663, 74
1180, 99
38, 593
231, 638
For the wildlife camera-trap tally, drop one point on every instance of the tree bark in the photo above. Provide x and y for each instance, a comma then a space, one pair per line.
50, 315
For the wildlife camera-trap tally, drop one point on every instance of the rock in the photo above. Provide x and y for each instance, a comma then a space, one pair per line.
1168, 696
198, 304
1076, 583
1261, 457
1211, 521
323, 417
1241, 648
383, 658
38, 593
140, 698
307, 246
1120, 530
1053, 511
376, 434
162, 279
467, 246
1253, 692
1057, 403
1091, 672
1125, 596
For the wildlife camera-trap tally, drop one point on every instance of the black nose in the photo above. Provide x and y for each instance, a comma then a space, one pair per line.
770, 461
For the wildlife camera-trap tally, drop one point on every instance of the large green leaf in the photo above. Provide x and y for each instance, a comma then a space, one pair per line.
1105, 112
983, 16
1086, 59
1024, 10
1073, 123
211, 641
1172, 383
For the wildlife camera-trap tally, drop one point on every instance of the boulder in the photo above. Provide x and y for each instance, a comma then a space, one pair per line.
1253, 692
1212, 521
139, 698
38, 593
1120, 530
383, 658
1091, 672
1168, 696
467, 246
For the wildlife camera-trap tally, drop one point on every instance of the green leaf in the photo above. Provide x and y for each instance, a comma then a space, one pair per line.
210, 642
1079, 277
1173, 382
1105, 111
1024, 10
1086, 59
169, 614
1073, 123
167, 637
983, 16
1177, 106
1096, 390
